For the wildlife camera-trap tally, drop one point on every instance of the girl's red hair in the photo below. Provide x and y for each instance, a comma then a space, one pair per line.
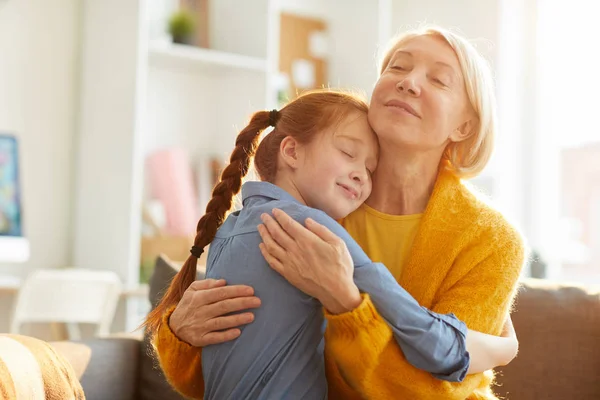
302, 118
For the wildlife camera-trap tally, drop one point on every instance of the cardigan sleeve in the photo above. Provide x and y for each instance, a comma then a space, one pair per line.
180, 361
365, 356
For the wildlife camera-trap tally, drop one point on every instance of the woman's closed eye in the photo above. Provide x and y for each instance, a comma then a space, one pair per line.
440, 82
441, 79
398, 68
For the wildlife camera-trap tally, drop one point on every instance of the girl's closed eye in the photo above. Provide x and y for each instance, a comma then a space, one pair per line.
347, 153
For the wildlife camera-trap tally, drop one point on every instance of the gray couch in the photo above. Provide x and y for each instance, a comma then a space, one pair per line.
123, 367
559, 358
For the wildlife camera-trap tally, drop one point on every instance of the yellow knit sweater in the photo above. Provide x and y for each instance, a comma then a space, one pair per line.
466, 259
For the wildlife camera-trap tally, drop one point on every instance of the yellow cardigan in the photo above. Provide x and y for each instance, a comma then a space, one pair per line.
466, 259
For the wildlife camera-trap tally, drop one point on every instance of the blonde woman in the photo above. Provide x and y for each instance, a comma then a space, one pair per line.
433, 111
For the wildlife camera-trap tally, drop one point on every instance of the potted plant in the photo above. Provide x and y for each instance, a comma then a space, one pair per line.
182, 26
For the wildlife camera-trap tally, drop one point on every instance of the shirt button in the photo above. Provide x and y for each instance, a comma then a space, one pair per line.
267, 376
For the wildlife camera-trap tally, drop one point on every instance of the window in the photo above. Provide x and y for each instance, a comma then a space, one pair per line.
569, 135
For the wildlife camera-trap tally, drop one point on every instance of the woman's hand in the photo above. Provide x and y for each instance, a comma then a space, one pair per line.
201, 319
312, 259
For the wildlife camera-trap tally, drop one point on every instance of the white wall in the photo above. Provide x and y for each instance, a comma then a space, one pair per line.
359, 29
477, 20
353, 27
38, 102
108, 166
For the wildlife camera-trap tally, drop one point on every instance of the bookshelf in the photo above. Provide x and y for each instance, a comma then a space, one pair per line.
168, 54
139, 92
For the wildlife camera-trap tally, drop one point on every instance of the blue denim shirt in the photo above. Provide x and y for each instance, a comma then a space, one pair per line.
280, 354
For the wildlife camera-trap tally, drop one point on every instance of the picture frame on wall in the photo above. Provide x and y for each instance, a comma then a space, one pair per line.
14, 246
11, 223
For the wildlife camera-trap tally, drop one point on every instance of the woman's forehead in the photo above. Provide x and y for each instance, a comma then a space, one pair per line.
434, 48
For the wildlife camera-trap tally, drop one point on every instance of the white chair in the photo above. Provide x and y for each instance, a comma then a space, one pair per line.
70, 296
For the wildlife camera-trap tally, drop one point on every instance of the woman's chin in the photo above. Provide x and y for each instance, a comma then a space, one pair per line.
396, 140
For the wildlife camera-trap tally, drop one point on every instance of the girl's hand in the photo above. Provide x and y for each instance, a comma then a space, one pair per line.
312, 259
201, 317
489, 351
508, 332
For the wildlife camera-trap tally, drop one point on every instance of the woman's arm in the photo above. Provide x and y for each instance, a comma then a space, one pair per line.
439, 344
376, 359
181, 363
376, 354
202, 317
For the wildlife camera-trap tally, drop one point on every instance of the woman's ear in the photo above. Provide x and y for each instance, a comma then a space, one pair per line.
462, 132
291, 152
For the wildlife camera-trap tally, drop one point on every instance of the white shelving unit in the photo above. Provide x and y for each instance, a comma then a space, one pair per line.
140, 93
168, 54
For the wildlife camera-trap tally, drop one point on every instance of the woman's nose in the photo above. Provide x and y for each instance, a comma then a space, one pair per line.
409, 85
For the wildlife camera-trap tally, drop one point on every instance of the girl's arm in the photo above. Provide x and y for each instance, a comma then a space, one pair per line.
438, 343
488, 351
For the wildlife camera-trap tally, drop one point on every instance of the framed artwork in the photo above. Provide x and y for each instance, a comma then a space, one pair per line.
10, 200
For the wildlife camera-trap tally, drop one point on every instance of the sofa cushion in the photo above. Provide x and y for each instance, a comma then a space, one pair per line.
152, 383
31, 369
111, 370
558, 327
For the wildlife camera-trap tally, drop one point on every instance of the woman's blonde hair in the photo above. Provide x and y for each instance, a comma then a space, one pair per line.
469, 157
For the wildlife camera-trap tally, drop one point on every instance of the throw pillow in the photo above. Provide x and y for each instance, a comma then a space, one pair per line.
31, 369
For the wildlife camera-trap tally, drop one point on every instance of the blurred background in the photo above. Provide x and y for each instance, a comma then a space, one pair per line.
116, 117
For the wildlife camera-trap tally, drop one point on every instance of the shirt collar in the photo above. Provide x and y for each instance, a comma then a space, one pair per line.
265, 189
